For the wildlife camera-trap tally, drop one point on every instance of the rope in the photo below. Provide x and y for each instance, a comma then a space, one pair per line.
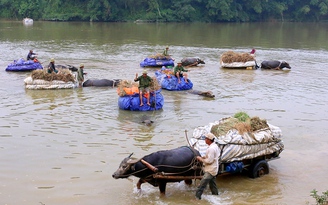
187, 138
127, 175
190, 144
155, 99
113, 83
192, 166
279, 65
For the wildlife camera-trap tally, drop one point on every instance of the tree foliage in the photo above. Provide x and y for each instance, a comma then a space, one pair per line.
166, 10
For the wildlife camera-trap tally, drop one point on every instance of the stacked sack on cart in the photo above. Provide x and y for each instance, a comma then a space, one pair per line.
240, 137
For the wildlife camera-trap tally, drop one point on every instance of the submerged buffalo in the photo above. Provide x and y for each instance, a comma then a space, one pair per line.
188, 62
275, 65
161, 167
71, 68
101, 82
208, 94
146, 120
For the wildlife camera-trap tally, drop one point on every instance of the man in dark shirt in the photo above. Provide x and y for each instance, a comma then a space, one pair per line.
31, 55
166, 54
80, 74
51, 66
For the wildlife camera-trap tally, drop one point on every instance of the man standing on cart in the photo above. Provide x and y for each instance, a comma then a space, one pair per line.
210, 166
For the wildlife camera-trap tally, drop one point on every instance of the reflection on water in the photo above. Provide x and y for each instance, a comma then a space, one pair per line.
41, 96
244, 189
131, 123
61, 146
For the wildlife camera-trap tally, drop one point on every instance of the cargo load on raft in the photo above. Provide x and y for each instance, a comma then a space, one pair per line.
129, 99
169, 81
157, 60
234, 60
21, 65
42, 80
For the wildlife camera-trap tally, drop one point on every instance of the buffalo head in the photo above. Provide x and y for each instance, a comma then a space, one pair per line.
125, 169
200, 61
146, 120
284, 64
208, 94
116, 82
72, 68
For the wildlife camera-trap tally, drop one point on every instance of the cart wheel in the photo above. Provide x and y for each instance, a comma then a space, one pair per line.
259, 169
188, 181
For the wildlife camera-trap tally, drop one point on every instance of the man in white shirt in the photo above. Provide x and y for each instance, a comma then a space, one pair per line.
210, 167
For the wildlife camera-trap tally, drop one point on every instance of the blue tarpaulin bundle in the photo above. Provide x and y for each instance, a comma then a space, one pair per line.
132, 102
22, 65
170, 82
152, 62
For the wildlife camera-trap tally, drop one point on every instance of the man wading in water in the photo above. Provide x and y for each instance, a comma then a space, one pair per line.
211, 167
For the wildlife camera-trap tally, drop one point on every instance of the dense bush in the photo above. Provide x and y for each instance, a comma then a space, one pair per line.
166, 10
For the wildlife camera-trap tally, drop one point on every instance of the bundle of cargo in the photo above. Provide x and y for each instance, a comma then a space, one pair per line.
243, 142
130, 100
169, 81
157, 60
235, 60
24, 65
41, 79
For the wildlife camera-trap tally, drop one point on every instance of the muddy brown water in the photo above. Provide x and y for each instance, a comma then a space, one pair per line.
62, 146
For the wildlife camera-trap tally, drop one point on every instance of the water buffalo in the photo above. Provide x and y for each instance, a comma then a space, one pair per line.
161, 167
202, 93
146, 120
188, 62
276, 65
101, 82
71, 68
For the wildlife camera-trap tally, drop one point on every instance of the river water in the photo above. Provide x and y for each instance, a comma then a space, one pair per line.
62, 146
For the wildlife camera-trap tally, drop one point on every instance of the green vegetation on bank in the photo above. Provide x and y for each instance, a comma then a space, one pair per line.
320, 199
166, 10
